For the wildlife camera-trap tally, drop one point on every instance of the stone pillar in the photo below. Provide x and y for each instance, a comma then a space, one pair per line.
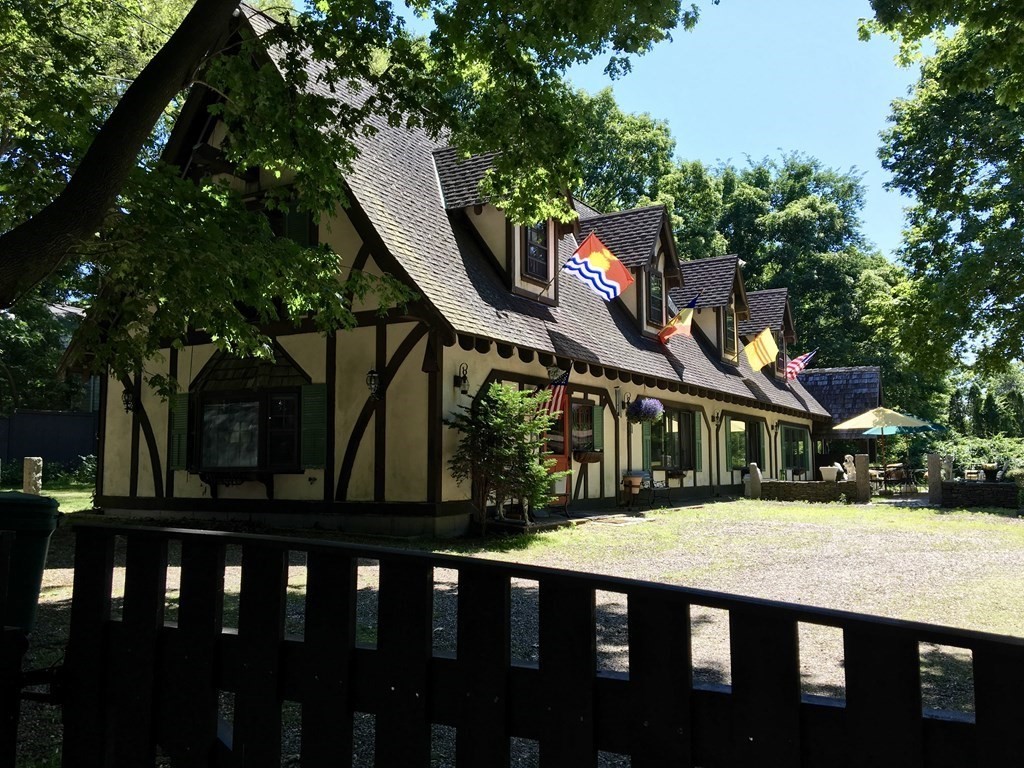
935, 479
32, 481
755, 482
860, 463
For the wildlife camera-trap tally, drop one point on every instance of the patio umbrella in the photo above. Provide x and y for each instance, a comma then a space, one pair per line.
885, 421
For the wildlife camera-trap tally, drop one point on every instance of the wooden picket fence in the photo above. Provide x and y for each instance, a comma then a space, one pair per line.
140, 686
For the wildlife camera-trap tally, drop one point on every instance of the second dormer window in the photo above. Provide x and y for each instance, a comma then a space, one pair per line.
537, 259
780, 359
655, 298
730, 331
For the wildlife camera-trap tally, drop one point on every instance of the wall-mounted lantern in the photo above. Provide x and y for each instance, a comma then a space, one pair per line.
373, 383
462, 379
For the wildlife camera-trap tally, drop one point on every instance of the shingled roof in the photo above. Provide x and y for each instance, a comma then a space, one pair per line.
394, 183
845, 393
713, 278
631, 235
767, 309
460, 177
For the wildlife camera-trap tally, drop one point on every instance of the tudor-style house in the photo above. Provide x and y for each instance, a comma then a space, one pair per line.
347, 430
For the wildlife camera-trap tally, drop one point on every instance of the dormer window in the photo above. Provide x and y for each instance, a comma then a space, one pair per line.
729, 341
655, 298
536, 264
780, 359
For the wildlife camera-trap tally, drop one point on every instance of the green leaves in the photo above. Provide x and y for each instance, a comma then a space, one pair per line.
958, 153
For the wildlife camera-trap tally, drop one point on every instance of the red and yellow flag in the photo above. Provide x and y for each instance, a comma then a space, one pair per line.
680, 323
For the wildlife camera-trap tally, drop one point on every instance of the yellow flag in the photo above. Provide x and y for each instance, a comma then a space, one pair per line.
762, 350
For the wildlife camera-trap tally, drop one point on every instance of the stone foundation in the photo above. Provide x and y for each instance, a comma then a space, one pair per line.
972, 494
819, 490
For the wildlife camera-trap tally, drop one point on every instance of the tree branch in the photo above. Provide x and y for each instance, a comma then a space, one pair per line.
32, 250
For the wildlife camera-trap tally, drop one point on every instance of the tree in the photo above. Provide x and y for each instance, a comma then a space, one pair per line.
693, 196
624, 155
958, 154
488, 77
501, 449
989, 28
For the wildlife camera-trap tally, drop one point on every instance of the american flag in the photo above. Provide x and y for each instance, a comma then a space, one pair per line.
795, 366
558, 387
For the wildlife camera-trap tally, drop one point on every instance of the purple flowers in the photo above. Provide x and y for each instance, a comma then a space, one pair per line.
645, 409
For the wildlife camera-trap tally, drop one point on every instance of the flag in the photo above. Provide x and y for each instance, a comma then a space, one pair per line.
558, 387
680, 323
762, 350
795, 366
595, 265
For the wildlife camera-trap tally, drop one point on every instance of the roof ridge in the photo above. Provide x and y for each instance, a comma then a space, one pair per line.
623, 213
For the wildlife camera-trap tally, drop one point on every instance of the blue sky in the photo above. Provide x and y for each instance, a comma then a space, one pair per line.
758, 78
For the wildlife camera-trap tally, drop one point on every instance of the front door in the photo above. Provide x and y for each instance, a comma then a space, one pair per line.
560, 446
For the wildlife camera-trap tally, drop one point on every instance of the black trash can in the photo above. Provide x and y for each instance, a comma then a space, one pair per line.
33, 519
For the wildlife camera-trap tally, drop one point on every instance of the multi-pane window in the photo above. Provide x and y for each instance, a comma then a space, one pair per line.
582, 427
672, 440
537, 258
796, 448
736, 450
656, 298
254, 432
730, 330
780, 359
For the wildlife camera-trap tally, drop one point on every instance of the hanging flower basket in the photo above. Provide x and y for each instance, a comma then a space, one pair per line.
645, 409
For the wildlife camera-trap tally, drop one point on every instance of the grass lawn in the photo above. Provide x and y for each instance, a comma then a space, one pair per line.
70, 498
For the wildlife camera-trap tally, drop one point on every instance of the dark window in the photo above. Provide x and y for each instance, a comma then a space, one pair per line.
780, 359
252, 431
796, 448
672, 440
730, 331
582, 427
535, 264
656, 298
736, 450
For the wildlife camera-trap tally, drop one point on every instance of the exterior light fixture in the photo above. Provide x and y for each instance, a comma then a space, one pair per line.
128, 400
462, 379
373, 384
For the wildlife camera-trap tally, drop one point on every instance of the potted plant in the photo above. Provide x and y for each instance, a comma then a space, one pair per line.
645, 409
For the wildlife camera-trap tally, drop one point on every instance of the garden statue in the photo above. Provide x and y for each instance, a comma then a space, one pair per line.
849, 468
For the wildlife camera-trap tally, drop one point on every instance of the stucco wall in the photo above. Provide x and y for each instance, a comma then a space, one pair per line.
490, 224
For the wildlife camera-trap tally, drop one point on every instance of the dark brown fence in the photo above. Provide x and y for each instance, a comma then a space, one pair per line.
139, 686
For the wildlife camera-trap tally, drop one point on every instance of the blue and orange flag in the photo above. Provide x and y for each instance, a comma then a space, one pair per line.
680, 323
596, 266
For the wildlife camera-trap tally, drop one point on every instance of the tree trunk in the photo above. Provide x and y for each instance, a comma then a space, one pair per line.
34, 249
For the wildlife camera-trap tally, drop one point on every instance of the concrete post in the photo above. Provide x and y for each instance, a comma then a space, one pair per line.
755, 482
935, 479
32, 480
860, 464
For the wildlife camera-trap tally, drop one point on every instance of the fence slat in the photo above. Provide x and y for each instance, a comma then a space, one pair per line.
660, 680
257, 725
85, 673
405, 615
131, 706
998, 705
883, 697
568, 662
329, 639
765, 688
189, 695
483, 660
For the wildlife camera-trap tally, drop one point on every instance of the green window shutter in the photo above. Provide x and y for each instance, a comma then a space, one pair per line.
698, 459
645, 433
179, 432
598, 419
314, 426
